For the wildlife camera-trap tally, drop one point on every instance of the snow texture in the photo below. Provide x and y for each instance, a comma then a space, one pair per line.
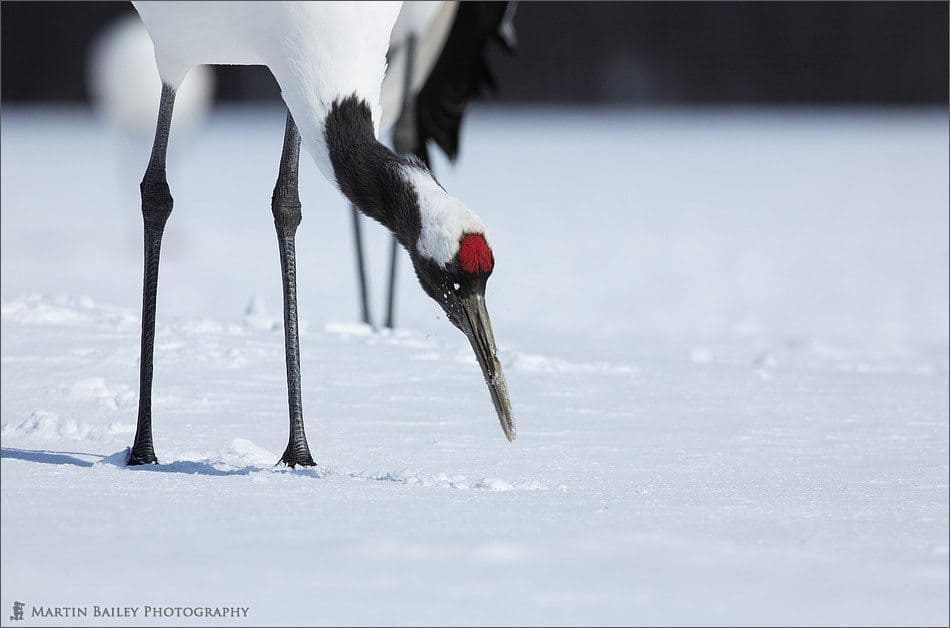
725, 334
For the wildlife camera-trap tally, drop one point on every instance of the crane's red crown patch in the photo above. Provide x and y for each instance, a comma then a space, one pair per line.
474, 254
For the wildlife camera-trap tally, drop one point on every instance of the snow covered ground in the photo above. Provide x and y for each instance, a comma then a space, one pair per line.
725, 332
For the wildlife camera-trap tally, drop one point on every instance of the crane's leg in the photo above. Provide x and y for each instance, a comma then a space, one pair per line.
391, 299
404, 141
156, 207
360, 266
285, 203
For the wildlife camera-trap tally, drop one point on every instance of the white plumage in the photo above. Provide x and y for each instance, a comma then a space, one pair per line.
444, 218
317, 51
429, 23
415, 17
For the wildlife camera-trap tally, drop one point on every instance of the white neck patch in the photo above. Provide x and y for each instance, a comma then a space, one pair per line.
444, 218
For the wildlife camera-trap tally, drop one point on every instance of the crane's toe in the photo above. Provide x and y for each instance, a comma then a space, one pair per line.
141, 455
296, 456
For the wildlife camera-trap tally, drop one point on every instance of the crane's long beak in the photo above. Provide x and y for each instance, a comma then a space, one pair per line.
477, 326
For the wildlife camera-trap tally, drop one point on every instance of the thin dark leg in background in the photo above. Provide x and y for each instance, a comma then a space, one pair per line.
360, 267
285, 204
391, 300
156, 207
404, 141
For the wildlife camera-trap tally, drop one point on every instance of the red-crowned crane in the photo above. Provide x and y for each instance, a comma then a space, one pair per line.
329, 59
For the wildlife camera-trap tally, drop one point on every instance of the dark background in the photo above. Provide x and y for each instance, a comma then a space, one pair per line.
608, 52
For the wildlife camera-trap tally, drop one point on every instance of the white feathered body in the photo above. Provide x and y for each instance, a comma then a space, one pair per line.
318, 52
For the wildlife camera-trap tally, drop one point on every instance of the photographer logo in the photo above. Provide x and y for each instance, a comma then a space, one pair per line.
17, 611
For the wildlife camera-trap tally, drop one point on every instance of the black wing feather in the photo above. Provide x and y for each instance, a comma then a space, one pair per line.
460, 74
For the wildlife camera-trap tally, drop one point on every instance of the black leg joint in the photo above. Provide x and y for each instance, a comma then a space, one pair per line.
156, 203
286, 208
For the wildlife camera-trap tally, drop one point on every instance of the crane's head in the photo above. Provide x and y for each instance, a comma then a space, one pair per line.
453, 261
445, 240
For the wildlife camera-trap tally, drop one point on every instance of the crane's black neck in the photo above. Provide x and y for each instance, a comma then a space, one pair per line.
368, 173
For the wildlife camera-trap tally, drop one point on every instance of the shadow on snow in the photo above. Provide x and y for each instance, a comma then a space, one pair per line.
48, 457
188, 467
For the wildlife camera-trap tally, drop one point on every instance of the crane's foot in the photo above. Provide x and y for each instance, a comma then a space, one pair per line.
141, 454
297, 454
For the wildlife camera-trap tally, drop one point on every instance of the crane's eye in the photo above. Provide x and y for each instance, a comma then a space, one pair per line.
475, 256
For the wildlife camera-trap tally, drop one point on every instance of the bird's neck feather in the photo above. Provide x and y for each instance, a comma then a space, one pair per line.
367, 172
395, 190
